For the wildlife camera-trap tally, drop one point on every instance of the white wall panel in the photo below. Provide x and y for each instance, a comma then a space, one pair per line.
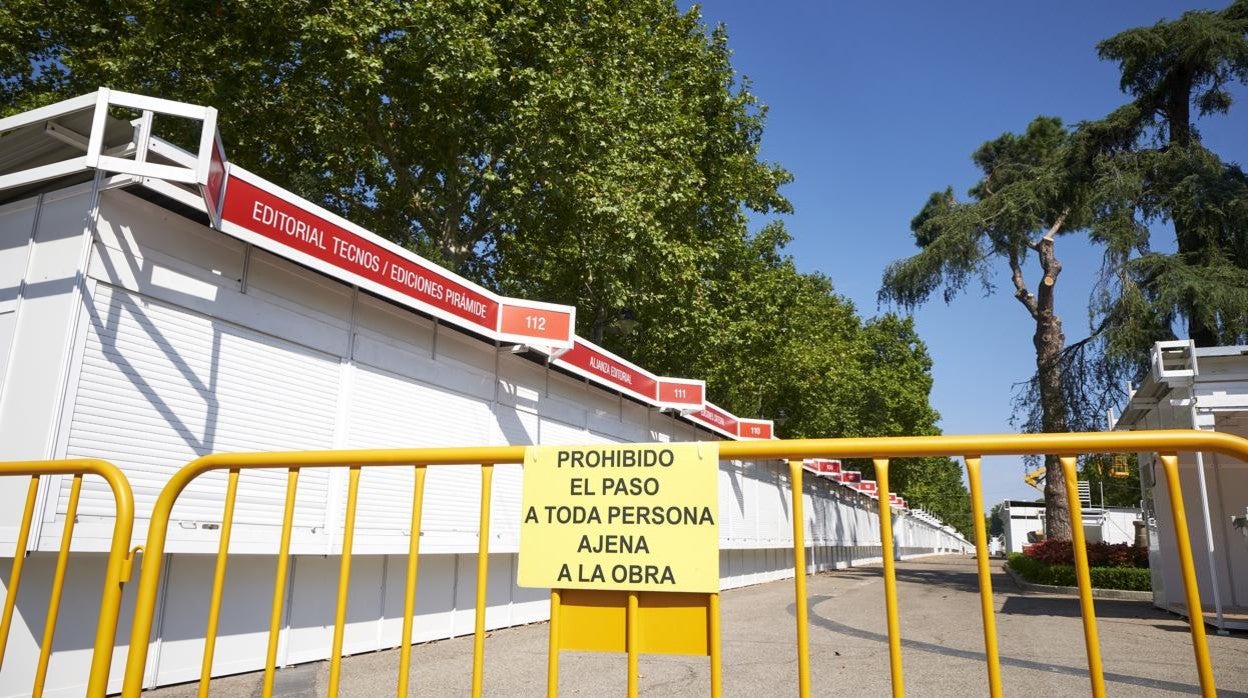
556, 433
312, 605
17, 222
391, 411
244, 622
42, 330
511, 426
160, 386
399, 326
435, 599
139, 229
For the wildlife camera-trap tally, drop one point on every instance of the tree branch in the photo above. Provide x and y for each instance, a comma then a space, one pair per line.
1057, 225
1023, 295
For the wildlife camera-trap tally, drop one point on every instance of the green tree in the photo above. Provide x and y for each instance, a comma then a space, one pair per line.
1154, 168
1113, 479
995, 521
776, 340
534, 135
599, 153
1028, 195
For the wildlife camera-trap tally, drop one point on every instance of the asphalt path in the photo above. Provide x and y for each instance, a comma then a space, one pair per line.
1147, 652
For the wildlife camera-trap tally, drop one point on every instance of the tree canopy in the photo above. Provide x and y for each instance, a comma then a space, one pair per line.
592, 152
1028, 194
1153, 168
1117, 178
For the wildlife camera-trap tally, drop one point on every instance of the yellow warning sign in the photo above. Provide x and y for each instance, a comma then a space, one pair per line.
622, 516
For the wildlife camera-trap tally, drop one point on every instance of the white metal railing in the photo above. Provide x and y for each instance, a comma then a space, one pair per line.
195, 179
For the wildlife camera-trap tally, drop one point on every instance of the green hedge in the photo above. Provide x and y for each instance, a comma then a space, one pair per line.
1128, 578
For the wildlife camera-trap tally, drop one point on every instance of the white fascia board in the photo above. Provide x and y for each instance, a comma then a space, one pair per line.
108, 163
39, 174
52, 111
176, 193
156, 104
172, 152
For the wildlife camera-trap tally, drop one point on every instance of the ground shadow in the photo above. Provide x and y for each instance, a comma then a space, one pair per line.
1068, 607
918, 645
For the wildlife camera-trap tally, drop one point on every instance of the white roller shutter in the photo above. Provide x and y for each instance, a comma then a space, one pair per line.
555, 433
392, 411
160, 386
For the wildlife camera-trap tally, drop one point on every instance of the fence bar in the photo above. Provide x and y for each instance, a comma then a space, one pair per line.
279, 583
483, 570
799, 579
58, 585
116, 571
630, 638
892, 447
344, 580
717, 673
890, 578
19, 561
218, 583
1195, 611
409, 590
552, 648
1083, 576
985, 578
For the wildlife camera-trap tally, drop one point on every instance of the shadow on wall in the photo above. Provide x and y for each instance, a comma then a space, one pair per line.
444, 608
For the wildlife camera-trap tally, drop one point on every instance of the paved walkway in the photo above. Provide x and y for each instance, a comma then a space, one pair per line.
1146, 652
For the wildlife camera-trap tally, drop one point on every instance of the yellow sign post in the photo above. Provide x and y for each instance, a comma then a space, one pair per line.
634, 517
608, 529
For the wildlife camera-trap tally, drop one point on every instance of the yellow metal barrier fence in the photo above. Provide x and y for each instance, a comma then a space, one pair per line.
117, 570
1067, 446
294, 463
880, 450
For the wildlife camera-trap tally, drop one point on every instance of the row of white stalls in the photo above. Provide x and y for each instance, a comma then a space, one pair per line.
1197, 388
158, 304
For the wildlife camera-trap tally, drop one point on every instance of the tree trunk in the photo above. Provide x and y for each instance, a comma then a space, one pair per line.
1049, 341
1192, 248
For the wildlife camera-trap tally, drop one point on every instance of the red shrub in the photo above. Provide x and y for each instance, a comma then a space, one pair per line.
1061, 552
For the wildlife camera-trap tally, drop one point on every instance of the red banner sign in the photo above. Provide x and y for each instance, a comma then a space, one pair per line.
868, 486
550, 325
717, 418
261, 212
827, 468
214, 190
754, 428
603, 366
851, 477
281, 224
678, 393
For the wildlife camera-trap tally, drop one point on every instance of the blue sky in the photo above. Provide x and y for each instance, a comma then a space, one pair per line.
872, 106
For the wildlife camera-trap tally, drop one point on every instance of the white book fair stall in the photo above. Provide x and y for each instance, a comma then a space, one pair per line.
158, 303
1197, 388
